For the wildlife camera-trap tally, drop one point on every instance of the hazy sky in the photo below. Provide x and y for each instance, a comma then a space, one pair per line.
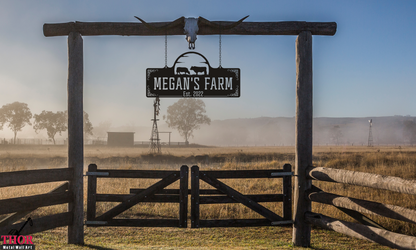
366, 69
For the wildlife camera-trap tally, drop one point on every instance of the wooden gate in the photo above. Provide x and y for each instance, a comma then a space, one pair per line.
226, 194
154, 193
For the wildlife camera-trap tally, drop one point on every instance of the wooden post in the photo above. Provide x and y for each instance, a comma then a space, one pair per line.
303, 157
183, 193
75, 136
287, 192
194, 197
92, 193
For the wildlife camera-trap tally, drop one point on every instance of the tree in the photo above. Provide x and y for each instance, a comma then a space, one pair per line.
53, 123
87, 125
186, 115
17, 115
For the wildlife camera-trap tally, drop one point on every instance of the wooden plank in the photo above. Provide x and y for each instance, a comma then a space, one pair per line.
254, 197
41, 224
17, 178
249, 174
303, 137
287, 192
194, 197
240, 198
145, 174
391, 183
139, 29
76, 135
363, 206
176, 191
92, 193
235, 223
183, 205
32, 202
138, 223
377, 235
9, 220
151, 198
123, 206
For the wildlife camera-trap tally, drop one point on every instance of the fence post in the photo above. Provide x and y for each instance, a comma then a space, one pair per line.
92, 193
183, 193
287, 191
75, 136
194, 197
303, 155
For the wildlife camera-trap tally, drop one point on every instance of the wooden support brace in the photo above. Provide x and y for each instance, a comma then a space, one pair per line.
138, 197
240, 198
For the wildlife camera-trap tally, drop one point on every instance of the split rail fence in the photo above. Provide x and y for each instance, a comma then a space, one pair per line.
18, 208
368, 229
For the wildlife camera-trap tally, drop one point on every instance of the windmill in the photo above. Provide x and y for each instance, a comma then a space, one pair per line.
370, 133
154, 139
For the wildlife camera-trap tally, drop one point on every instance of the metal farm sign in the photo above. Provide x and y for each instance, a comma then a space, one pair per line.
192, 76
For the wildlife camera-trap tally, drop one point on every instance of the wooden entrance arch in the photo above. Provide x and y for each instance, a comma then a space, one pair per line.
303, 157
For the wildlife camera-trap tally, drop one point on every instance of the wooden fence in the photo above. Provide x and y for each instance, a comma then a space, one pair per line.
17, 208
368, 230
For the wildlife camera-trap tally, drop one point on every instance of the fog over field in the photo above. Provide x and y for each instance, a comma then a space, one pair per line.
270, 131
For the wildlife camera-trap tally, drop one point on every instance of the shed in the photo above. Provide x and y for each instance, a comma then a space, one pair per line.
120, 139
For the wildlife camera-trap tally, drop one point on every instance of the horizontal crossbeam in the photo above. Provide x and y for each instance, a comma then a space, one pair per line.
139, 29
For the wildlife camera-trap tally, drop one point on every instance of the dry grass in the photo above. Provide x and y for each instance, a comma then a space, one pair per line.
393, 161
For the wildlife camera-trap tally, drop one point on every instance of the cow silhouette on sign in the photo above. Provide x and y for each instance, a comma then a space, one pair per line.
199, 70
182, 70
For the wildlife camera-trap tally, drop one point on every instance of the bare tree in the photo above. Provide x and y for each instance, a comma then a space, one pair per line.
53, 123
186, 115
17, 115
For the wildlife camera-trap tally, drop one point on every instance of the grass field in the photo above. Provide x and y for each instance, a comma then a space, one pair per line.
394, 161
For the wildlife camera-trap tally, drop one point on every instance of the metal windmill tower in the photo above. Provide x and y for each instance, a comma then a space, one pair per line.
154, 139
370, 133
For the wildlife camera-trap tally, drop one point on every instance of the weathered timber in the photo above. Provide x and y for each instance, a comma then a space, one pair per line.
380, 236
195, 197
237, 223
41, 224
176, 191
138, 198
287, 193
183, 197
391, 183
9, 220
235, 174
92, 193
17, 178
32, 202
139, 29
254, 197
303, 138
240, 197
145, 174
137, 223
151, 198
363, 206
76, 135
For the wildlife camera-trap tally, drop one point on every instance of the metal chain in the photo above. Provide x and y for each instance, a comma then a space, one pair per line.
166, 48
220, 47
